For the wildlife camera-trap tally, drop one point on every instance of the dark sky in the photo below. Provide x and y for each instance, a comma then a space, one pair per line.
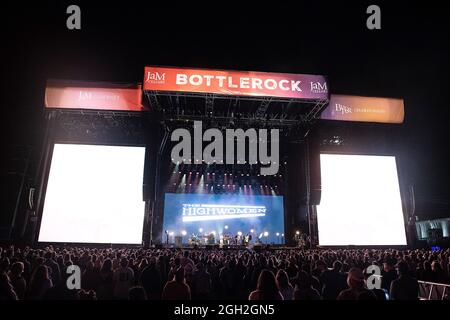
408, 58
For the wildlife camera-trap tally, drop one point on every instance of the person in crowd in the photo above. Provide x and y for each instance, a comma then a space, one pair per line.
437, 273
53, 267
123, 279
91, 276
175, 265
151, 280
303, 288
260, 264
266, 288
333, 281
17, 280
137, 293
285, 287
202, 282
61, 291
40, 283
185, 260
227, 279
105, 288
4, 265
427, 274
388, 273
357, 289
405, 287
7, 292
177, 289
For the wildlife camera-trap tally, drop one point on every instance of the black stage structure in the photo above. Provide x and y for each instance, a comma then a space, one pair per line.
302, 140
293, 117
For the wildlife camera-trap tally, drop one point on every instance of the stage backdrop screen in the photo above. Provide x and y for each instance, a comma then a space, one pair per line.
361, 203
197, 214
94, 195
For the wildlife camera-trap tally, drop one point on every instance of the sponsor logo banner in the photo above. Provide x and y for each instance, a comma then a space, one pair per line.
364, 109
239, 83
95, 98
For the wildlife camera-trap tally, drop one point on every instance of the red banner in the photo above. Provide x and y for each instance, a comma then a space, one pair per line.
239, 83
364, 109
93, 96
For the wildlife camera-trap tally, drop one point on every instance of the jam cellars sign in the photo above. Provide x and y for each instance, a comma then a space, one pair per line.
92, 96
283, 85
364, 109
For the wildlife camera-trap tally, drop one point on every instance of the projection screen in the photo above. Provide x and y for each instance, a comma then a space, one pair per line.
361, 203
94, 195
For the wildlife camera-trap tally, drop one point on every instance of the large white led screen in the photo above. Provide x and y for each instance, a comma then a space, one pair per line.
94, 195
361, 202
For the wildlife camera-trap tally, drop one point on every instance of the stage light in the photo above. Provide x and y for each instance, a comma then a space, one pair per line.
278, 234
266, 234
171, 233
239, 233
200, 230
183, 233
251, 230
282, 234
226, 227
297, 232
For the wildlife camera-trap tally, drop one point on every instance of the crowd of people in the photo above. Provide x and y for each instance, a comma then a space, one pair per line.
176, 274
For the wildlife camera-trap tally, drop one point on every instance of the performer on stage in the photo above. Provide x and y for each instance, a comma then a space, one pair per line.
300, 239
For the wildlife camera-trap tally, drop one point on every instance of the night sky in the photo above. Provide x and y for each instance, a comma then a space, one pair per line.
408, 58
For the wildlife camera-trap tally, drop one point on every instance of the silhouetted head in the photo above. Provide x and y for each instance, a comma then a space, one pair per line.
179, 275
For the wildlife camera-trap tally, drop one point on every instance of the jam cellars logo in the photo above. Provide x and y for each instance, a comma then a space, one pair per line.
318, 87
156, 77
342, 109
85, 95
